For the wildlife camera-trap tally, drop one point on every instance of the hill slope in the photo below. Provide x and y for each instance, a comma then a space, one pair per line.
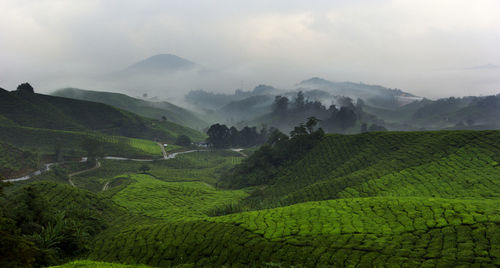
50, 112
375, 95
154, 110
411, 199
448, 164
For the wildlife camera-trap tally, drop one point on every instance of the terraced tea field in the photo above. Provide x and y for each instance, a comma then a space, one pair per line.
45, 140
361, 232
173, 201
416, 199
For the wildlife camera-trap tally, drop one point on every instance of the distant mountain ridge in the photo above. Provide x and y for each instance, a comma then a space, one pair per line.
375, 95
161, 63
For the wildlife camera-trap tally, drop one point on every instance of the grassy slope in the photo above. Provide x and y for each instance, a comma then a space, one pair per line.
14, 161
204, 167
435, 164
398, 199
149, 109
173, 200
49, 112
45, 140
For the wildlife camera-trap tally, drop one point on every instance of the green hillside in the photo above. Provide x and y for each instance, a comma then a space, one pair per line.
450, 164
447, 113
154, 110
395, 199
14, 161
49, 112
47, 141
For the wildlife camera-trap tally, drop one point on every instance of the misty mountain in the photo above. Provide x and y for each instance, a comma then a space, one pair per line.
247, 108
161, 63
484, 67
374, 95
205, 100
447, 113
154, 110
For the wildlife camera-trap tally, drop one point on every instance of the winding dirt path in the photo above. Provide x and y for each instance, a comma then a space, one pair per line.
165, 156
97, 165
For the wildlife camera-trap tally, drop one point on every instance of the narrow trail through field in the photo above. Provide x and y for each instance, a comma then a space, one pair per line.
97, 165
165, 156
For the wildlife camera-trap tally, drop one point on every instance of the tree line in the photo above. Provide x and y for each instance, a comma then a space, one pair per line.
261, 166
221, 136
333, 119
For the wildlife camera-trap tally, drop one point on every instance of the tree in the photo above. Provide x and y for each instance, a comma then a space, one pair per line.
234, 137
280, 105
16, 250
218, 135
248, 136
364, 128
311, 123
183, 140
25, 88
299, 101
144, 168
163, 118
346, 118
94, 149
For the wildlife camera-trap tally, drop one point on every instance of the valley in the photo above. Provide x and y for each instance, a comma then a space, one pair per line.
87, 184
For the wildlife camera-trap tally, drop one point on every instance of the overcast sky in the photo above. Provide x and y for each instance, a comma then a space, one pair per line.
427, 47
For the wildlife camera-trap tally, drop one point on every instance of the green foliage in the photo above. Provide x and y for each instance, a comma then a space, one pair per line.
358, 232
144, 168
183, 140
57, 113
57, 220
172, 200
25, 88
279, 151
154, 110
197, 166
44, 140
416, 199
435, 164
14, 161
97, 264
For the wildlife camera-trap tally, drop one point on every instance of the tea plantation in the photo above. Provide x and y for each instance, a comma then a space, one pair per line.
382, 199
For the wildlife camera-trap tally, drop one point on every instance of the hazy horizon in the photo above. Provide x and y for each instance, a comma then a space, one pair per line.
428, 48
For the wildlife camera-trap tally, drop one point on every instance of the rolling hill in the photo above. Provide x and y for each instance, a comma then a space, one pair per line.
416, 199
374, 95
58, 113
478, 113
154, 110
424, 164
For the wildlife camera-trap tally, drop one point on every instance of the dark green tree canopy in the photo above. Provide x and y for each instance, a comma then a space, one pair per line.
183, 140
25, 88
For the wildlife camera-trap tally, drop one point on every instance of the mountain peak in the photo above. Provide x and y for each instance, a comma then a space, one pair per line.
162, 62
